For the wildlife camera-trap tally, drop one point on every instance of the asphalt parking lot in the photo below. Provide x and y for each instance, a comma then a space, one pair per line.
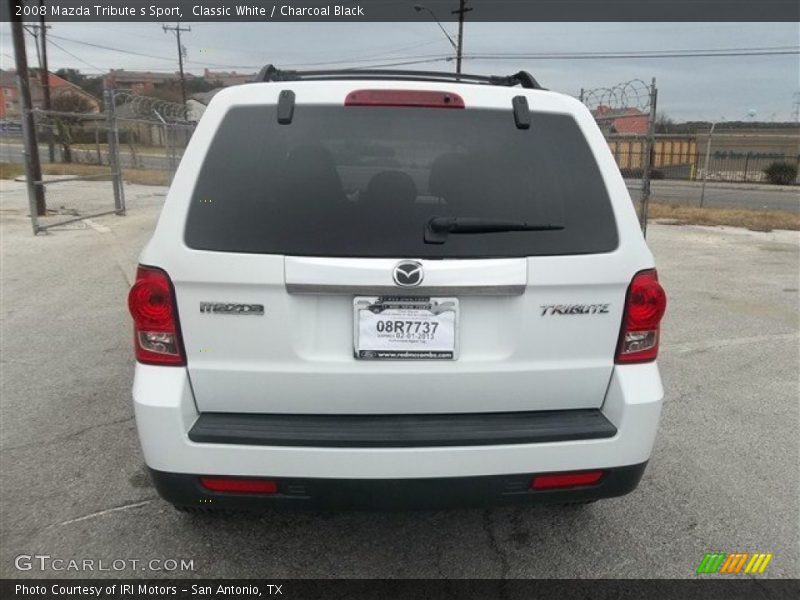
723, 475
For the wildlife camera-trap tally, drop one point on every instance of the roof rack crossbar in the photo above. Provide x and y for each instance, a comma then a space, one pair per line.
522, 78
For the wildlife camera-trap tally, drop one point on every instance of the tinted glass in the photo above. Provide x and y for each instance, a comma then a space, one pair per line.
363, 181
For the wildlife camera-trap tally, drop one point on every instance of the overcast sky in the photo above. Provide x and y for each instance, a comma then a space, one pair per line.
736, 88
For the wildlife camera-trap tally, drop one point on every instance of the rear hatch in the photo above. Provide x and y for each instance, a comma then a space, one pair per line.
305, 240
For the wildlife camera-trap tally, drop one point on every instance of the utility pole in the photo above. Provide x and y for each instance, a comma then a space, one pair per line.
459, 50
648, 157
420, 8
44, 77
705, 168
178, 29
33, 170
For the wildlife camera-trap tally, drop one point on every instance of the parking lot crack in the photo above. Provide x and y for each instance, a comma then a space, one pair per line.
704, 346
67, 436
491, 534
101, 513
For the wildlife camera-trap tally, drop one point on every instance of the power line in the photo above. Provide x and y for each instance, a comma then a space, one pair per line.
652, 52
763, 51
432, 58
385, 54
145, 55
407, 62
78, 58
100, 46
625, 56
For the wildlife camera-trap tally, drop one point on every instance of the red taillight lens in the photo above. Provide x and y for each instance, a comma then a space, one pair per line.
417, 98
645, 305
239, 485
565, 480
151, 302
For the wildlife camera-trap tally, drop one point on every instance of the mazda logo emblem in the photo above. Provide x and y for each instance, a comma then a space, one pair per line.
407, 273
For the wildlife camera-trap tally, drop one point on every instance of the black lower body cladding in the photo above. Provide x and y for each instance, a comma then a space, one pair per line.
186, 490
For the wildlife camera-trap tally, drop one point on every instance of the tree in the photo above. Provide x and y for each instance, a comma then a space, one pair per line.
781, 173
72, 75
170, 91
201, 84
664, 124
91, 85
65, 103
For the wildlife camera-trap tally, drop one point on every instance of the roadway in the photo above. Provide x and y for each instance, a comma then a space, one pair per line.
718, 194
722, 477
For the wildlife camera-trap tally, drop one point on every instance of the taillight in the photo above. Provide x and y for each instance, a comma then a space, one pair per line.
151, 302
416, 98
239, 485
644, 307
556, 481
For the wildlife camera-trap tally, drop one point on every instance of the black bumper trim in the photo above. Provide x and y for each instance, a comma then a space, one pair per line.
401, 431
446, 492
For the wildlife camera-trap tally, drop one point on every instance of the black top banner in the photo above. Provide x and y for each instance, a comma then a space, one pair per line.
401, 10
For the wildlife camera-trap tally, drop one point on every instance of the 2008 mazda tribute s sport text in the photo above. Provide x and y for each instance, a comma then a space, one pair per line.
378, 289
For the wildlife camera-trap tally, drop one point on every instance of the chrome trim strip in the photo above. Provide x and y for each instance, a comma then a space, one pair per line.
373, 276
393, 290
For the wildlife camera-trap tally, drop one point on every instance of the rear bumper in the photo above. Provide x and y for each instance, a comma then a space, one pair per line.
185, 490
401, 431
165, 414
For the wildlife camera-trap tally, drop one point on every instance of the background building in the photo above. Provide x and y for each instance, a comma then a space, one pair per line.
228, 78
9, 100
141, 83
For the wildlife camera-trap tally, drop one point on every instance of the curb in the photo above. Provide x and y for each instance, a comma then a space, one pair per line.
720, 185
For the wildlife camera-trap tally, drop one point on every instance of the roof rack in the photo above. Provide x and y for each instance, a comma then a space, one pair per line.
522, 78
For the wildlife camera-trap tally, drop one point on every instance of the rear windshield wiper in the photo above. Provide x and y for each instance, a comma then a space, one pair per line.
438, 228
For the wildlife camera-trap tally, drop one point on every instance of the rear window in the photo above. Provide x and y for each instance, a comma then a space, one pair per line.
364, 181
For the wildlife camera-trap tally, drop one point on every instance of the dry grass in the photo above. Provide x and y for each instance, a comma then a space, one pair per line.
756, 220
11, 170
141, 176
139, 149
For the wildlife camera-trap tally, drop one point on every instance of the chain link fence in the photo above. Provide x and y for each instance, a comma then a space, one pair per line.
62, 130
678, 158
628, 109
135, 138
153, 133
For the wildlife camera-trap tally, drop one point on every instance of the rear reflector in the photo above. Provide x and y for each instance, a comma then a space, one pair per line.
645, 305
565, 480
151, 302
239, 485
417, 98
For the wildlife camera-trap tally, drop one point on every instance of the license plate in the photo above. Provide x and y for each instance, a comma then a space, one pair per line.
389, 328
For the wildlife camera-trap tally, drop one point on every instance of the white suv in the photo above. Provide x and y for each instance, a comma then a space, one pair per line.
396, 288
